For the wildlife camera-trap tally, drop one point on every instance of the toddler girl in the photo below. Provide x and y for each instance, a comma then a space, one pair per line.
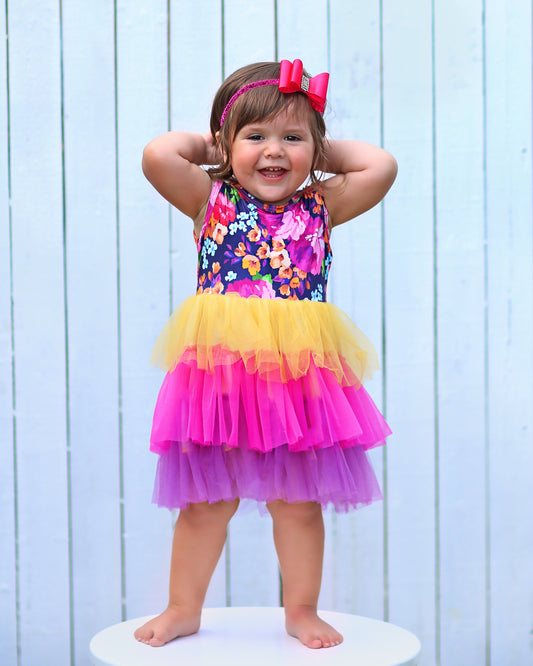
263, 396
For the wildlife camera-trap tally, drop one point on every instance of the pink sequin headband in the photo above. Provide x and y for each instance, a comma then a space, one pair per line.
291, 79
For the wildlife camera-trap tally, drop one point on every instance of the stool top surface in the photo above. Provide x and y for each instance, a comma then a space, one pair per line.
240, 636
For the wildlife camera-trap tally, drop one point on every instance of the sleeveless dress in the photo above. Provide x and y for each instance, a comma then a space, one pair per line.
263, 396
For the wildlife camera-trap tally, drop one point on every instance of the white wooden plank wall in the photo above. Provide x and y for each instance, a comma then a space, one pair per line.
440, 277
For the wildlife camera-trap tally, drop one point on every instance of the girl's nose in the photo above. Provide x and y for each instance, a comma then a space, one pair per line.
273, 148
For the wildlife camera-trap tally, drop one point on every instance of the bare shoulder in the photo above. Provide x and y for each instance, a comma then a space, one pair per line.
363, 175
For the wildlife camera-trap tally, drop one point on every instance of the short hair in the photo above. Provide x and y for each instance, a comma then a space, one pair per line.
259, 104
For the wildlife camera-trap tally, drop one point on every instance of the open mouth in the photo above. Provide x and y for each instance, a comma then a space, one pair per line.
273, 172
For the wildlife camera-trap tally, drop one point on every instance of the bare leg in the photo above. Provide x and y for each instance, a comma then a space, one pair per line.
199, 538
299, 540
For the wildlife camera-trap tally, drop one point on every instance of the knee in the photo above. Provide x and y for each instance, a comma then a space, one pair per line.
300, 513
206, 514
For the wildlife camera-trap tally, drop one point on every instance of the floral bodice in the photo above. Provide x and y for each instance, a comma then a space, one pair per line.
256, 249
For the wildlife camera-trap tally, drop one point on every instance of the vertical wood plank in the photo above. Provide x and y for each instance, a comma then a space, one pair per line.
461, 331
249, 37
90, 194
297, 21
38, 292
142, 114
195, 75
510, 329
409, 238
354, 562
249, 30
8, 576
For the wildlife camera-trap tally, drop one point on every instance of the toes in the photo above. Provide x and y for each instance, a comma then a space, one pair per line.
149, 639
142, 635
332, 642
156, 642
325, 642
147, 635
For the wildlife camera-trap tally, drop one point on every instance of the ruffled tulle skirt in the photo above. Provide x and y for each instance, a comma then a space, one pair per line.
263, 399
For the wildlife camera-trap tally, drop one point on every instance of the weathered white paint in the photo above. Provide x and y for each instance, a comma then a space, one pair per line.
510, 310
144, 292
460, 330
91, 274
39, 331
8, 525
439, 278
410, 322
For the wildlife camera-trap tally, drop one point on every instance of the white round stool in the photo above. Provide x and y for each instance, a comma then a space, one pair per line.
243, 636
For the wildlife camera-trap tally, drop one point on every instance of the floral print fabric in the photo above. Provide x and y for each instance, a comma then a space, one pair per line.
256, 249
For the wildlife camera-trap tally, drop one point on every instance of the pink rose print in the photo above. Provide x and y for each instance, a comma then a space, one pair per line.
247, 288
293, 224
224, 210
307, 253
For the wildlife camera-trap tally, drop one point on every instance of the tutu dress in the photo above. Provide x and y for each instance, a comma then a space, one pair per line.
263, 396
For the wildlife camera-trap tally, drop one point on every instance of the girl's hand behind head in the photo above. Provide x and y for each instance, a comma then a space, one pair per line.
212, 152
171, 162
363, 175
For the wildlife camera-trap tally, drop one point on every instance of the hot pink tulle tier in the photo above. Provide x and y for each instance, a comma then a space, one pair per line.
342, 478
232, 408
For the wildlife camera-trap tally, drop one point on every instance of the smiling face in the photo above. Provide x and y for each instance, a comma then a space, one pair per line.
272, 158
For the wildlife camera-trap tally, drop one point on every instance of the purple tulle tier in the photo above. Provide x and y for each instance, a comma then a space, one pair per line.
231, 408
333, 476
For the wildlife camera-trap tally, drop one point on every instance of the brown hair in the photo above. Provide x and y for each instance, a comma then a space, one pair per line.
259, 104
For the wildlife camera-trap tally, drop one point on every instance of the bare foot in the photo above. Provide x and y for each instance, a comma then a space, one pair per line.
303, 623
173, 622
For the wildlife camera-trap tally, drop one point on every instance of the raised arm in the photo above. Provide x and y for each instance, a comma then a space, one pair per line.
171, 162
363, 175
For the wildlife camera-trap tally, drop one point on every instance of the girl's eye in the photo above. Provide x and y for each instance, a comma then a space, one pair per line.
292, 137
255, 137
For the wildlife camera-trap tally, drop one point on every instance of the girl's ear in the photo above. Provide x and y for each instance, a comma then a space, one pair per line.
222, 152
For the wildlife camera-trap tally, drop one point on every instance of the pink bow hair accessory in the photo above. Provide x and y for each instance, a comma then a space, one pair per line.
292, 79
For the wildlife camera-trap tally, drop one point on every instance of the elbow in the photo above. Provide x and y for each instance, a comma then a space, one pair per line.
392, 166
150, 158
390, 169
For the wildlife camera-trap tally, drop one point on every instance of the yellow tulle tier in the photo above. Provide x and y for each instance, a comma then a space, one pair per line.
273, 337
